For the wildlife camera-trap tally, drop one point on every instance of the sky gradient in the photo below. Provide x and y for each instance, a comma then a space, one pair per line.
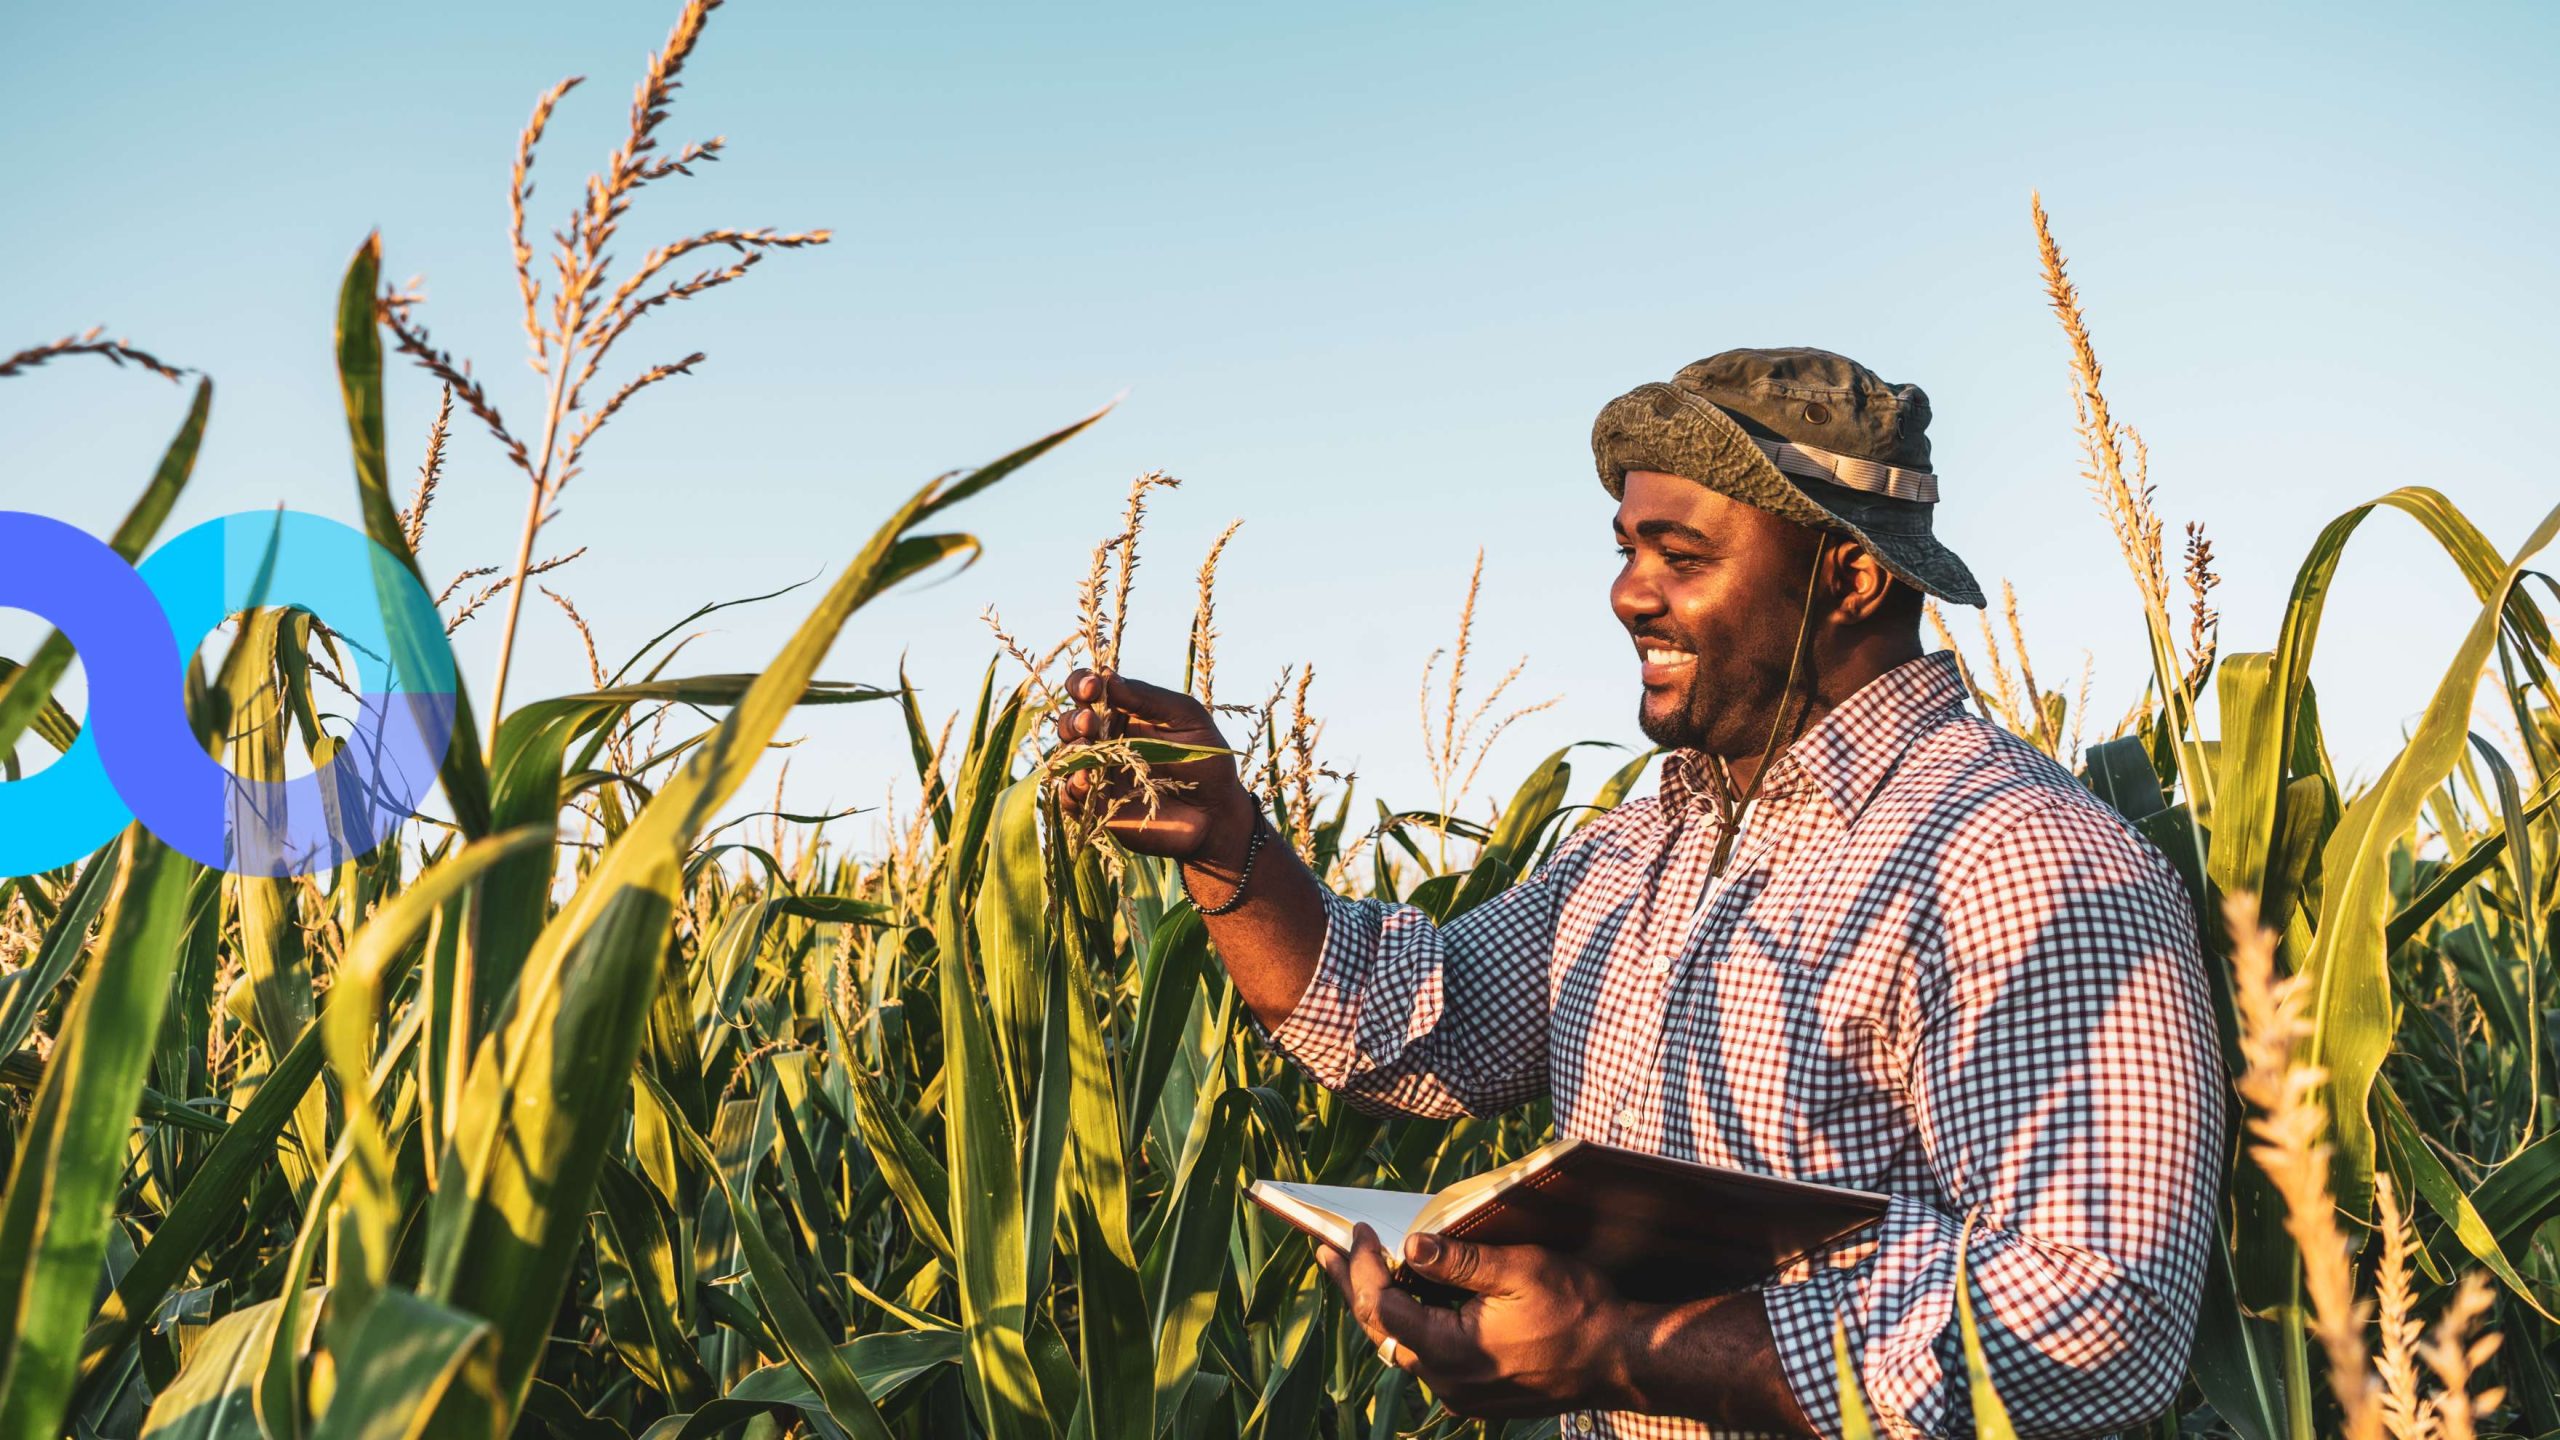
1366, 273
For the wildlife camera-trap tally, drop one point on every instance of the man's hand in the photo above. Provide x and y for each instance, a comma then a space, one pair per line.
1206, 815
1269, 925
1538, 1334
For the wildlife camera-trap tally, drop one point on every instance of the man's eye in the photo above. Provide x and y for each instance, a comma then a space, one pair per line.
1626, 552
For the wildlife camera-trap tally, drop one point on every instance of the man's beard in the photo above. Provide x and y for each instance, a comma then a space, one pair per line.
1731, 718
1681, 728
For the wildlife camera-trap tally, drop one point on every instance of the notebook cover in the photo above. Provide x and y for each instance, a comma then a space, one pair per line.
1661, 1229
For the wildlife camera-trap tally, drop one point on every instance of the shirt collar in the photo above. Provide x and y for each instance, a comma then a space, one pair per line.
1847, 754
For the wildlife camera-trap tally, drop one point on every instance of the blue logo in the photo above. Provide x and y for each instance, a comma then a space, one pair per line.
138, 757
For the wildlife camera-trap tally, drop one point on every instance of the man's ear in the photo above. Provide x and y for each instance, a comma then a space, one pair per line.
1860, 581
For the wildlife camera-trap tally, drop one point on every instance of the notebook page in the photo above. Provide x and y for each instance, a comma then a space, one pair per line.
1332, 1210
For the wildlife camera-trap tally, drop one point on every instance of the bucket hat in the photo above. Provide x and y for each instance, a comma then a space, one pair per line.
1804, 434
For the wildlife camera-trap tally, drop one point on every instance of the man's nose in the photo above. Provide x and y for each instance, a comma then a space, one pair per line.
1634, 598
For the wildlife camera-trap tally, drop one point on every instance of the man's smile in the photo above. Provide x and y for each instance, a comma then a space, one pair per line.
1663, 664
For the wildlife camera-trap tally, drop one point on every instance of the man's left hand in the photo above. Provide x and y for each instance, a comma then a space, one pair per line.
1538, 1333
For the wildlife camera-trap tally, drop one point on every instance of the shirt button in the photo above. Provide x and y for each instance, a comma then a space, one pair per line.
1581, 1422
1627, 1117
1659, 964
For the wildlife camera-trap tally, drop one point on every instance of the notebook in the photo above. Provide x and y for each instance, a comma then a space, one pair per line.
1661, 1229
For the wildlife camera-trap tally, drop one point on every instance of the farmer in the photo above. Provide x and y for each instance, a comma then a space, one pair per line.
1861, 937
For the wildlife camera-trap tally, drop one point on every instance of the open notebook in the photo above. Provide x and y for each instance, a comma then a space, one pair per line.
1661, 1229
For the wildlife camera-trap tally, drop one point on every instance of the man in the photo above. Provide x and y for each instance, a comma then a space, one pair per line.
1860, 938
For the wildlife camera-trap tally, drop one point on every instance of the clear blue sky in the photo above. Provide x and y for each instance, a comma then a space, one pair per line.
1366, 273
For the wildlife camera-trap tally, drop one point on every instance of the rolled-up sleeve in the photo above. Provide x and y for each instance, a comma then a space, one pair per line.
2064, 1072
1404, 1016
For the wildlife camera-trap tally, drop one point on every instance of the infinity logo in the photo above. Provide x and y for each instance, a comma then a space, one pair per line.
137, 758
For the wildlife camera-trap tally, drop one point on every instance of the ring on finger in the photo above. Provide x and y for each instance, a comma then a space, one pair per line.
1387, 1349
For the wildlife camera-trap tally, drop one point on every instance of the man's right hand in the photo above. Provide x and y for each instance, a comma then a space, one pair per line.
1206, 816
1269, 926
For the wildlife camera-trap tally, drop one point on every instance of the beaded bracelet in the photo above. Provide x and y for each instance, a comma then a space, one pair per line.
1235, 897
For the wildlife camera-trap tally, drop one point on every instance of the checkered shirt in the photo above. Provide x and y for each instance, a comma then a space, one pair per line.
1937, 967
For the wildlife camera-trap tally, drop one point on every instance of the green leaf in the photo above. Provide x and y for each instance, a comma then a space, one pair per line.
941, 496
1515, 837
413, 1371
528, 787
1194, 1242
920, 744
979, 1132
784, 1307
1012, 937
543, 1101
28, 689
64, 939
1614, 790
375, 962
2120, 772
918, 1180
2524, 936
2450, 879
52, 724
210, 1202
509, 1210
2443, 1194
1113, 1332
212, 1397
464, 773
2351, 1005
1287, 1408
2519, 1197
70, 1161
885, 1365
1176, 963
631, 1234
2233, 1360
2249, 778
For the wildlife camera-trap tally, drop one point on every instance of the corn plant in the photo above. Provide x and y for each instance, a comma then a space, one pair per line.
575, 1110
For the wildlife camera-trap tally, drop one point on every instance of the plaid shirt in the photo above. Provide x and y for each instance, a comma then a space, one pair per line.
1937, 967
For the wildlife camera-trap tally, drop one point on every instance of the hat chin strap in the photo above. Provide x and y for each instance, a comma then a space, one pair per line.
1729, 806
1815, 463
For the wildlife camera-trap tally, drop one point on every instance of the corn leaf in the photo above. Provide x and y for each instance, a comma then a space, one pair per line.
415, 1370
885, 1365
631, 1234
1112, 1321
27, 690
2351, 1006
1515, 836
62, 1190
784, 1306
1177, 961
65, 937
981, 1137
464, 773
211, 1397
529, 1138
2443, 1194
918, 1180
1194, 1263
208, 1204
374, 964
2250, 777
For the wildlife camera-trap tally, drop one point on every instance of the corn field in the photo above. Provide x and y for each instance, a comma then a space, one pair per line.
573, 1111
